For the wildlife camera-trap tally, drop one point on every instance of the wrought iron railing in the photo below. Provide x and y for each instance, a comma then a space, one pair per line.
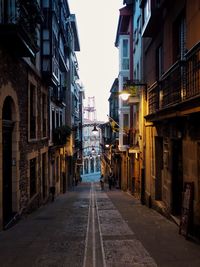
192, 72
180, 83
153, 98
26, 14
170, 89
61, 134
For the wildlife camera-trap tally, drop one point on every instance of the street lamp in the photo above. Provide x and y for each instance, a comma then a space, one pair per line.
130, 89
124, 94
95, 130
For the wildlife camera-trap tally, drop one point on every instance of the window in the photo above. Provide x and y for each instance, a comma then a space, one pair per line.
45, 3
45, 64
125, 128
61, 45
53, 120
61, 120
125, 54
126, 121
55, 68
179, 37
12, 11
8, 11
159, 62
57, 119
46, 42
44, 175
125, 48
44, 115
32, 111
32, 182
125, 79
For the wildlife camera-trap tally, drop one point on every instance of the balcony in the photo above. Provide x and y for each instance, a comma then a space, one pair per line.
153, 98
178, 88
64, 61
18, 26
58, 96
61, 135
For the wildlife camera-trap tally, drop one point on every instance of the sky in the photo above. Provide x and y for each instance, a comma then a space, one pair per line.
97, 22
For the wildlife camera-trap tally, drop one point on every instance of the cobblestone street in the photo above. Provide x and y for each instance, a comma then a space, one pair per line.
89, 227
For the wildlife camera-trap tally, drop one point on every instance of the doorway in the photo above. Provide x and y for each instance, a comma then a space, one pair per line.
7, 131
159, 167
177, 177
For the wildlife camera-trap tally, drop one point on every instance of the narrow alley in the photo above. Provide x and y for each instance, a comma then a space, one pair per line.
89, 227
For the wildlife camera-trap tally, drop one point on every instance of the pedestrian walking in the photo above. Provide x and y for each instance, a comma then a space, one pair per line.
102, 182
110, 180
52, 191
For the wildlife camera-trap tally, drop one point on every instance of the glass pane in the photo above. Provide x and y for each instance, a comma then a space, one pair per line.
125, 48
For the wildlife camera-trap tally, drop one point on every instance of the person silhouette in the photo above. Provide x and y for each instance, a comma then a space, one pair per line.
110, 180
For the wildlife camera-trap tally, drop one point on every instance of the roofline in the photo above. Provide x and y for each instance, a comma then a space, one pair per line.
124, 11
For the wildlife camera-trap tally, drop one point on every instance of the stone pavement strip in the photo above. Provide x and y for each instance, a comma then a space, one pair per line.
120, 244
157, 234
124, 234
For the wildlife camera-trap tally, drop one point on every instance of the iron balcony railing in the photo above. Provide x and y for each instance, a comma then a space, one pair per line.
153, 98
21, 16
179, 84
171, 86
192, 73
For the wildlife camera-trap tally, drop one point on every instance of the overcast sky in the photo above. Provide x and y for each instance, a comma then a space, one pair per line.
97, 22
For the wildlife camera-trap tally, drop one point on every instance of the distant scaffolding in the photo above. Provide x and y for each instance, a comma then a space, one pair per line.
90, 110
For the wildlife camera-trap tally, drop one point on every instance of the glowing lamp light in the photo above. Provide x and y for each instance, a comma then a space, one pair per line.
95, 130
124, 95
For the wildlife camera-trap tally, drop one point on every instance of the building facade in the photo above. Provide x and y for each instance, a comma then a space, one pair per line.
163, 120
60, 70
124, 41
23, 107
171, 69
131, 109
113, 133
36, 76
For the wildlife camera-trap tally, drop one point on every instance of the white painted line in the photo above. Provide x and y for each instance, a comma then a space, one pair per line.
87, 233
100, 234
93, 229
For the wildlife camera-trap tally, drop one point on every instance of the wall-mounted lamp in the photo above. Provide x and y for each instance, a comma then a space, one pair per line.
124, 94
130, 89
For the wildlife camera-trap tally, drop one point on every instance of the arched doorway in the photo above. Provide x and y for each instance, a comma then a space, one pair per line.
7, 129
